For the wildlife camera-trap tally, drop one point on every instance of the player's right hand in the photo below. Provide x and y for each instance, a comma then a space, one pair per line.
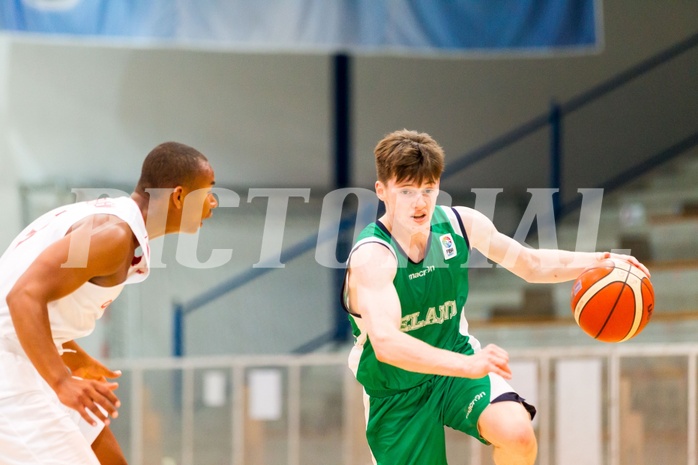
490, 359
87, 395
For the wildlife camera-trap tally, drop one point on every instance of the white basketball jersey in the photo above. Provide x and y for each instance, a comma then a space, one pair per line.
74, 315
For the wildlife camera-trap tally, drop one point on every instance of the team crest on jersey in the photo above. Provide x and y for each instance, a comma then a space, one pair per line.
448, 246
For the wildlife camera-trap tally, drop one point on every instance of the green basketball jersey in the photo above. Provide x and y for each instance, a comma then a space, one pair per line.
432, 294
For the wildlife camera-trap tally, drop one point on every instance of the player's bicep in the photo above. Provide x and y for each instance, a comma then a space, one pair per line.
371, 273
71, 261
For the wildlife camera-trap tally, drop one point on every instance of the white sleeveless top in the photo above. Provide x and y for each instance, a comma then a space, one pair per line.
74, 315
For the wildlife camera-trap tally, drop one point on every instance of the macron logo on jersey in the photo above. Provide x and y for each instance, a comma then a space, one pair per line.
422, 273
479, 396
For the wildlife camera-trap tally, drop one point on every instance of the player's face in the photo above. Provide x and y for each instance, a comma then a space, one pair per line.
409, 205
199, 201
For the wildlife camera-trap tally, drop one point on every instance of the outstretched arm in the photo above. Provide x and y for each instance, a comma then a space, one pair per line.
373, 296
533, 265
110, 246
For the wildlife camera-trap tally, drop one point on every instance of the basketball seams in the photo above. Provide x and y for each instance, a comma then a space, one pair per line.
636, 286
648, 284
613, 307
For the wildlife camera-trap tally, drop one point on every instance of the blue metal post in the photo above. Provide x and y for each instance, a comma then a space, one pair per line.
555, 120
178, 330
342, 119
341, 64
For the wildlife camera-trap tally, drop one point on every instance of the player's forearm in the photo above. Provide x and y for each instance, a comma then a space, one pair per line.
33, 330
553, 266
411, 354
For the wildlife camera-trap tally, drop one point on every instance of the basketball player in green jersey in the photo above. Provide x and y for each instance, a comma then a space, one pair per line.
405, 288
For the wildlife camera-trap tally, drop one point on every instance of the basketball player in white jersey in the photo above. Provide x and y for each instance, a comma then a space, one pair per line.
56, 279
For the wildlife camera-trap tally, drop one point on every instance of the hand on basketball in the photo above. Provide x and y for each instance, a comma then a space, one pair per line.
491, 359
628, 258
85, 395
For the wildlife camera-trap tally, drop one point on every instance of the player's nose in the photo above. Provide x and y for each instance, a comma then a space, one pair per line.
213, 201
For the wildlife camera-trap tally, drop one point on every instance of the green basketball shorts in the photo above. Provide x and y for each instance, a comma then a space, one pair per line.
407, 427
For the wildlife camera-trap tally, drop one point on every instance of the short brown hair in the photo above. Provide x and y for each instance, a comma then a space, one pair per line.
409, 156
170, 164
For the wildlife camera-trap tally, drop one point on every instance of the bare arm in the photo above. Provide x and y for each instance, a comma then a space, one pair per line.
533, 265
46, 280
373, 296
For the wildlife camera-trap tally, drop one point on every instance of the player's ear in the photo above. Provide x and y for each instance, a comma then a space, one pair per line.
177, 196
380, 191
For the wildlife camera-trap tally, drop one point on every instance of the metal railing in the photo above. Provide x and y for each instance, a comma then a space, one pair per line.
641, 403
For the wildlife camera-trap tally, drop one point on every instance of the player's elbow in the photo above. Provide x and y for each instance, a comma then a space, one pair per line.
384, 347
525, 271
17, 299
14, 300
528, 267
529, 275
386, 356
382, 353
14, 297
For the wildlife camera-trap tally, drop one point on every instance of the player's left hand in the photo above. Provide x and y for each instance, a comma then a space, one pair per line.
630, 259
90, 368
96, 371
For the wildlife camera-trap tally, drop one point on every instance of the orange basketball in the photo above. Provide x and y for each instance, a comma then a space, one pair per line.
613, 301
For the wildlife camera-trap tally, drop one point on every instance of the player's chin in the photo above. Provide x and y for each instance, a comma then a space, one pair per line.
420, 221
191, 228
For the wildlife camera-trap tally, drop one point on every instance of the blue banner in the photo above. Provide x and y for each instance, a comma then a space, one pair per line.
488, 25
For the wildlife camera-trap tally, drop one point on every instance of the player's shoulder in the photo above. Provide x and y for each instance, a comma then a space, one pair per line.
470, 215
464, 211
474, 220
373, 250
104, 226
372, 264
373, 258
